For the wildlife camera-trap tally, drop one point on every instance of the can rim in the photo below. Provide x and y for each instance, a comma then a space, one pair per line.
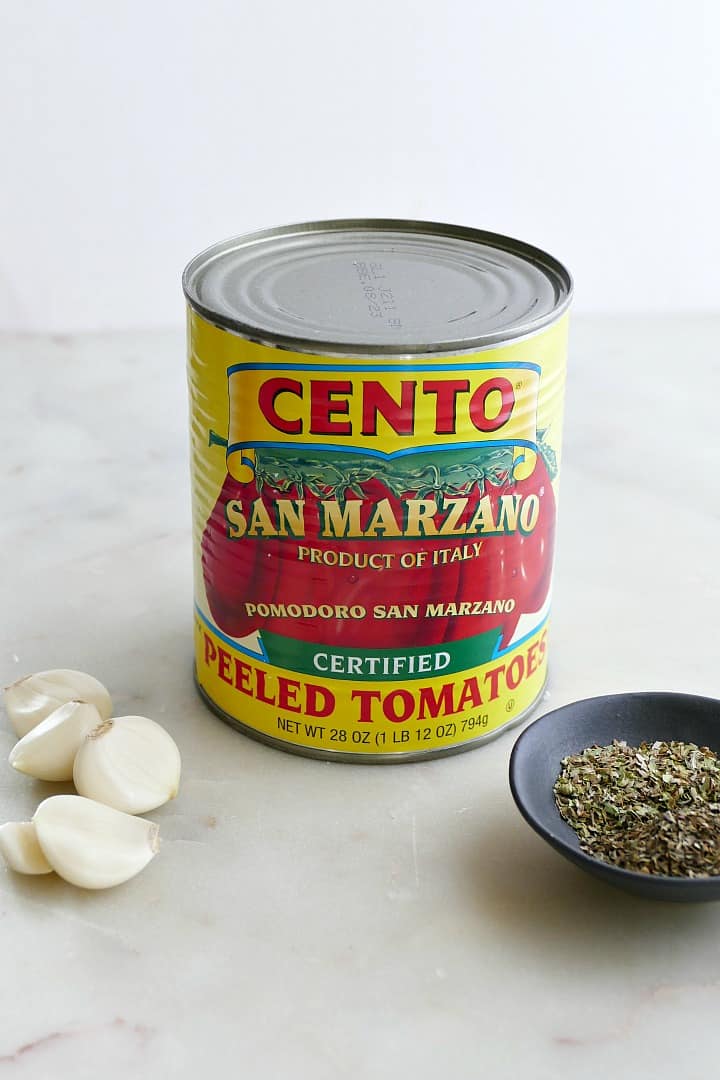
536, 256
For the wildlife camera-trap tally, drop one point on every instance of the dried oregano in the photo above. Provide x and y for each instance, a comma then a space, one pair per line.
653, 808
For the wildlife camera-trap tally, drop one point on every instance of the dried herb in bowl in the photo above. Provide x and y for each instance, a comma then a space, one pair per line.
653, 808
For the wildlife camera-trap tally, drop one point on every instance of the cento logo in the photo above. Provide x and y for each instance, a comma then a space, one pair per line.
382, 409
347, 408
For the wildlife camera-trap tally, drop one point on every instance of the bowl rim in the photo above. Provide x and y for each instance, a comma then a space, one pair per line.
592, 864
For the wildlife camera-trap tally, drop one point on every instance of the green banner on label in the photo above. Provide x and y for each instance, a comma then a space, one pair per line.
380, 665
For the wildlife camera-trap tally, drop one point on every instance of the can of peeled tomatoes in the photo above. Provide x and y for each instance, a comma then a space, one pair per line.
376, 413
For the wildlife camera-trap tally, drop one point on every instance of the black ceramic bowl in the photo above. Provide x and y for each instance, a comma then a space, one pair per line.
537, 755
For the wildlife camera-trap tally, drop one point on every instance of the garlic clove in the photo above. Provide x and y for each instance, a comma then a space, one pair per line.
130, 763
92, 845
28, 701
20, 848
48, 751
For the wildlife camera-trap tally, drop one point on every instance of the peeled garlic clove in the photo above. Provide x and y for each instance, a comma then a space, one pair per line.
92, 845
130, 763
48, 751
20, 848
28, 701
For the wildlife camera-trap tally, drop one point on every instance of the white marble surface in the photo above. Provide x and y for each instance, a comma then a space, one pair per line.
328, 921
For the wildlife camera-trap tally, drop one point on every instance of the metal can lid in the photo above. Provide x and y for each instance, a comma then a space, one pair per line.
377, 286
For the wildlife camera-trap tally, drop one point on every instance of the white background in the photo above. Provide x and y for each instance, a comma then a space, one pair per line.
136, 133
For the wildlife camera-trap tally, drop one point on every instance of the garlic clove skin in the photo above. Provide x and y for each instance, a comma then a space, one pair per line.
20, 848
48, 751
130, 763
90, 844
30, 700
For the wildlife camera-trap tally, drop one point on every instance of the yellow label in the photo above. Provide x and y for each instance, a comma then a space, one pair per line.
430, 713
373, 539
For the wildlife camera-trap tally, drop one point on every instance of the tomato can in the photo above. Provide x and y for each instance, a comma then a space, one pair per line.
376, 413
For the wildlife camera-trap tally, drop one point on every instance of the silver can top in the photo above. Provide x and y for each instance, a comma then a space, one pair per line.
377, 286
